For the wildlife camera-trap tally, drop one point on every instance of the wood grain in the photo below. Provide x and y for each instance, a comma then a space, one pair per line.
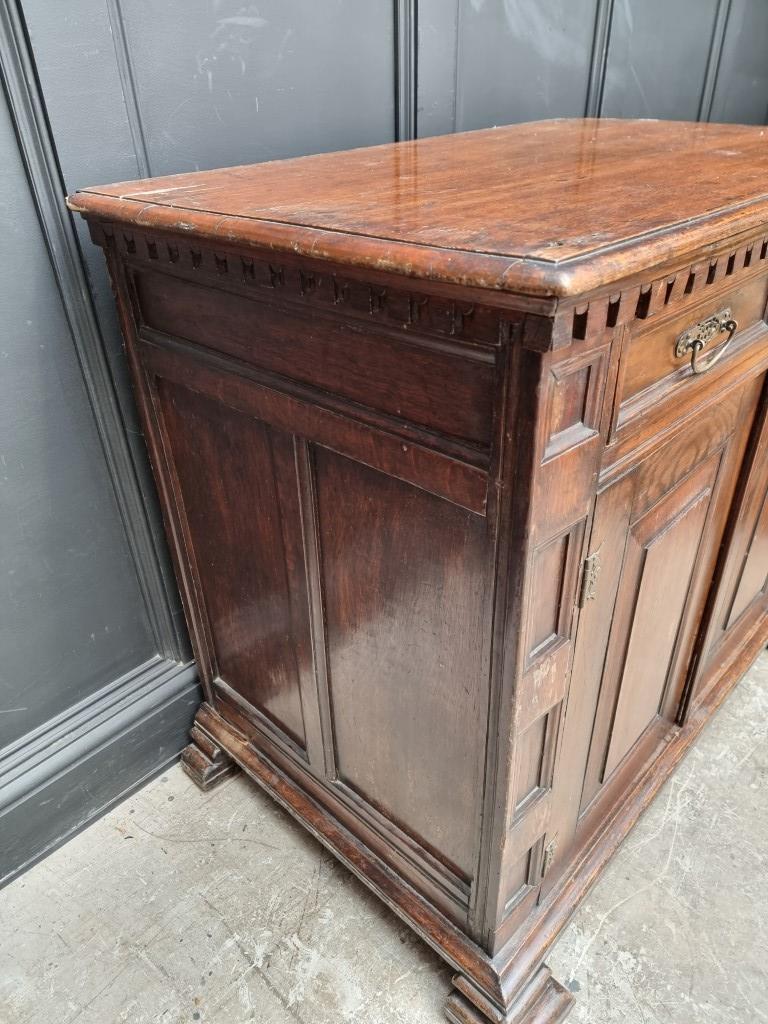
476, 208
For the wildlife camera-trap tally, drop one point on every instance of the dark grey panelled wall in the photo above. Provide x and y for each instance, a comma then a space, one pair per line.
97, 689
485, 62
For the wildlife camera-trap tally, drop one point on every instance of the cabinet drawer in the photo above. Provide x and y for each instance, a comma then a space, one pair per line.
652, 373
446, 388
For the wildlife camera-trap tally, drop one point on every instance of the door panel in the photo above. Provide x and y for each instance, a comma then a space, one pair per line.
659, 562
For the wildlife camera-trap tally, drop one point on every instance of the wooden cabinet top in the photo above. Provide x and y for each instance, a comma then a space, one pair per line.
553, 208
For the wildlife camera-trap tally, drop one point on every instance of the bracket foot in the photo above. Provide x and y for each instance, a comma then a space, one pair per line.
205, 762
542, 1001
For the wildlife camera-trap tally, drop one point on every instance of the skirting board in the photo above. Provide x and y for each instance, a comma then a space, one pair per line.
57, 779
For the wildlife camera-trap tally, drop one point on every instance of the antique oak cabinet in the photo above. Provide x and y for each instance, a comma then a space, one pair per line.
461, 448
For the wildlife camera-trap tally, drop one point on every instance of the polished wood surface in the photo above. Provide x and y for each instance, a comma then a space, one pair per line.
250, 568
402, 573
368, 368
466, 570
545, 207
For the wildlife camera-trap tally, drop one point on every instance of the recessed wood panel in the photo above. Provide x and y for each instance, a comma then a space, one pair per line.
456, 481
643, 663
575, 397
664, 552
237, 481
403, 576
740, 584
523, 848
554, 569
569, 400
754, 573
658, 529
549, 575
530, 759
515, 884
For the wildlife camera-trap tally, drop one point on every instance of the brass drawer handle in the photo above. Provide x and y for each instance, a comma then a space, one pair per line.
696, 338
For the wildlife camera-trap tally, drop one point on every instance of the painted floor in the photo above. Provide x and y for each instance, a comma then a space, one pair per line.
179, 906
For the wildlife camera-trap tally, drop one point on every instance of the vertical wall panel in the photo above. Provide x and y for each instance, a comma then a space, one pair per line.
82, 87
72, 616
741, 90
219, 83
658, 57
484, 62
436, 78
83, 94
516, 60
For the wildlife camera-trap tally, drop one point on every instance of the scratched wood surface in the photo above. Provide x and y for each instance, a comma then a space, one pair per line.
548, 207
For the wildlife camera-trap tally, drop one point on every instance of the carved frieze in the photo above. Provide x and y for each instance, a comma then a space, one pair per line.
398, 308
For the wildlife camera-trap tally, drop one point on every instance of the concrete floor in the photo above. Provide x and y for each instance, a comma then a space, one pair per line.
179, 906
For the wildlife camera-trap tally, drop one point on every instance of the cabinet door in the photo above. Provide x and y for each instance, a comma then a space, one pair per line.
656, 533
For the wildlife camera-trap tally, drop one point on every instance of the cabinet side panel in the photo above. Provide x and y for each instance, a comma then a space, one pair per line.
236, 479
404, 582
